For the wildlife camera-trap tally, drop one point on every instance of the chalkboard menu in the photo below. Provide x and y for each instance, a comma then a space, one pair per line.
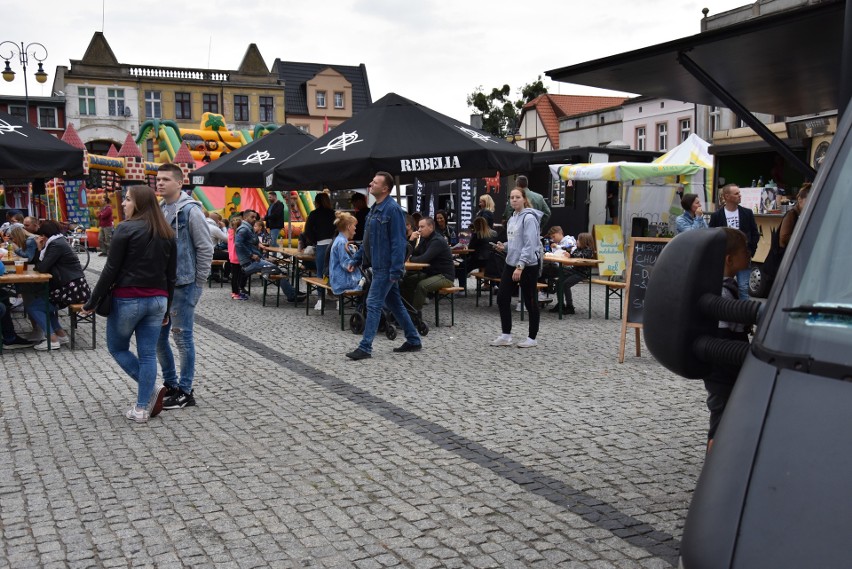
642, 256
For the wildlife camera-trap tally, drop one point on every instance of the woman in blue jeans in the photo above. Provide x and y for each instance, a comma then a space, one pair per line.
140, 274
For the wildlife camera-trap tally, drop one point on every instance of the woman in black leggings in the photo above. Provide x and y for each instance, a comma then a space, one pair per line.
522, 267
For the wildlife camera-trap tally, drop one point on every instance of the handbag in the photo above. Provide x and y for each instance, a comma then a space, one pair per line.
104, 304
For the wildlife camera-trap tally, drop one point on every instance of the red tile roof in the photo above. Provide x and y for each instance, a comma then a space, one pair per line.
130, 149
71, 137
112, 152
550, 108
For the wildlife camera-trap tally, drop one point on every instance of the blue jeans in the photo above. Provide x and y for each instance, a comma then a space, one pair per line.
273, 237
181, 319
742, 282
36, 311
384, 292
267, 268
144, 317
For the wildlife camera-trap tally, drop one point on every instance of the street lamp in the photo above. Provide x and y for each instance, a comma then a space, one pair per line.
39, 53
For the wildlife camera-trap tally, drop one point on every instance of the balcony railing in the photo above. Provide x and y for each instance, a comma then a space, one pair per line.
181, 74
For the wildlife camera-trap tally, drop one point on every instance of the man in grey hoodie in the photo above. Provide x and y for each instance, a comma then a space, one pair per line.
194, 256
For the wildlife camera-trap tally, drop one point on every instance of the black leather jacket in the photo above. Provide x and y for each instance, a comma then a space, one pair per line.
137, 259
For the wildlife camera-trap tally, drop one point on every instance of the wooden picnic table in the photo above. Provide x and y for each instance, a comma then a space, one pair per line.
295, 256
32, 277
584, 265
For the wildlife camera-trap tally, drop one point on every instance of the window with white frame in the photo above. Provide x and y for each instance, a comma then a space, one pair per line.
47, 117
662, 136
303, 127
320, 99
19, 111
715, 119
153, 105
87, 100
115, 102
685, 126
640, 138
338, 100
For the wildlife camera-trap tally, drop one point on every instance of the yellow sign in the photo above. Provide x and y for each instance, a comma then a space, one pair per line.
609, 243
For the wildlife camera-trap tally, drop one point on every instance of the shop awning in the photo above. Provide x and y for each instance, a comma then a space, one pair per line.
621, 171
785, 64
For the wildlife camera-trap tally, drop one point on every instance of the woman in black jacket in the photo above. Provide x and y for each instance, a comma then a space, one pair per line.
67, 283
140, 275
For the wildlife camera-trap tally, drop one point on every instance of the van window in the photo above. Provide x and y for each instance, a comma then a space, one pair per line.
820, 275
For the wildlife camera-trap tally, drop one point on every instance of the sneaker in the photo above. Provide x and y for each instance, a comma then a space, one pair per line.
528, 343
243, 297
318, 305
406, 347
42, 346
64, 339
542, 296
235, 296
179, 400
502, 340
518, 307
16, 302
18, 343
358, 354
157, 398
137, 415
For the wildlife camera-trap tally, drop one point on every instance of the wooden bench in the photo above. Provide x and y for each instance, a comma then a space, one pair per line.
217, 267
348, 297
76, 320
614, 289
266, 281
448, 292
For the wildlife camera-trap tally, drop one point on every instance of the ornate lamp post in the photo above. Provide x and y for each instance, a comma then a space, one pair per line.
37, 51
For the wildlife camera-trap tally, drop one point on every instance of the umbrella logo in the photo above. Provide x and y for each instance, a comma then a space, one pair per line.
340, 142
476, 135
6, 127
258, 157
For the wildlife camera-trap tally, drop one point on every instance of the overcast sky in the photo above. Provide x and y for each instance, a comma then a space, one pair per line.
435, 52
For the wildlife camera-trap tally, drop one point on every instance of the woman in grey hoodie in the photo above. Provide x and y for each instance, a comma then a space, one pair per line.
522, 267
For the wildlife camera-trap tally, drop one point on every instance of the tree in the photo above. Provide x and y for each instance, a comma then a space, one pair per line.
499, 113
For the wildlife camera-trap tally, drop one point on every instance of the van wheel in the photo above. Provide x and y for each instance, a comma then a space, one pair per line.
758, 283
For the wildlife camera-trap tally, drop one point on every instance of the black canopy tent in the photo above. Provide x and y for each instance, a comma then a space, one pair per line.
403, 138
246, 166
27, 152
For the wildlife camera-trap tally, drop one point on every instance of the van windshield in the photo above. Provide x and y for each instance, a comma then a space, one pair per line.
813, 316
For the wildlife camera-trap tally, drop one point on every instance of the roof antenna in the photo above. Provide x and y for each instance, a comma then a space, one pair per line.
103, 14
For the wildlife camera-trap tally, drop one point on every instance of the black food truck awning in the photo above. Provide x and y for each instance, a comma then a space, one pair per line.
784, 64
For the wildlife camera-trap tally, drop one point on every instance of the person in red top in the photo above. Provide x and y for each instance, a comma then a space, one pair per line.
105, 226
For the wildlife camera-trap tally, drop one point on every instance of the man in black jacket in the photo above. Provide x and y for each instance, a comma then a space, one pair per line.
738, 217
433, 249
274, 218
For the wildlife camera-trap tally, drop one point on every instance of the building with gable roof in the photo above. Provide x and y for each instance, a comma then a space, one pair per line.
320, 94
540, 120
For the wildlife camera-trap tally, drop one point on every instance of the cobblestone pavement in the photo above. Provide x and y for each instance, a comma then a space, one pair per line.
461, 455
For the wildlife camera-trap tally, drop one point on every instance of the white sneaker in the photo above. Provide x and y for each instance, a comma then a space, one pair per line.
15, 302
502, 340
528, 343
318, 305
518, 307
64, 339
42, 346
542, 296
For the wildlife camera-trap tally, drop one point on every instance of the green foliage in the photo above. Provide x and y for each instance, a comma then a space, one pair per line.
499, 112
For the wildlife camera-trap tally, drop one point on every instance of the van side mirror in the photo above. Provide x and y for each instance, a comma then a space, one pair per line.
690, 266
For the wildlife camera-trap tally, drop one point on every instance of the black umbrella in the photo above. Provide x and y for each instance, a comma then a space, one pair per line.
27, 152
246, 166
403, 138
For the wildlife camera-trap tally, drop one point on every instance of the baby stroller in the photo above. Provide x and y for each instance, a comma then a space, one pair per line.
387, 323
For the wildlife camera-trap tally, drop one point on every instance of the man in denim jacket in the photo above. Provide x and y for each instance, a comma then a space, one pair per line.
194, 257
384, 250
248, 248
